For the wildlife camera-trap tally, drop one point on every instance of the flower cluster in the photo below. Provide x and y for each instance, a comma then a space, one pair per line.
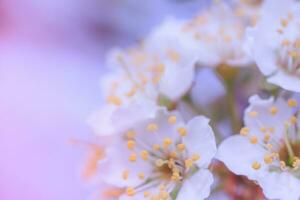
171, 98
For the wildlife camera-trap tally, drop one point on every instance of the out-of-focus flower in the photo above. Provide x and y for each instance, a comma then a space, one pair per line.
220, 34
275, 43
177, 53
268, 149
144, 76
161, 158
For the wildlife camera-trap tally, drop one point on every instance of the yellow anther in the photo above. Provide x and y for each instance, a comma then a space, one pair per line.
293, 54
293, 120
292, 103
181, 147
182, 131
125, 174
171, 163
173, 154
147, 194
145, 155
155, 147
267, 137
159, 162
152, 127
263, 129
244, 131
131, 92
188, 163
282, 165
253, 114
284, 22
173, 55
268, 159
130, 134
253, 139
271, 129
114, 100
273, 110
172, 119
130, 191
275, 155
269, 146
132, 157
256, 165
285, 42
195, 157
141, 176
167, 142
131, 144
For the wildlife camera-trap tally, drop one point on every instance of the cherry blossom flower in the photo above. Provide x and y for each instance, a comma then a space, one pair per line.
275, 43
219, 33
268, 147
162, 157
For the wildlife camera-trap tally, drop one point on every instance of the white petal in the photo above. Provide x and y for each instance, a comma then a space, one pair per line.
200, 140
196, 187
176, 81
100, 121
264, 117
288, 82
206, 78
127, 116
238, 154
280, 186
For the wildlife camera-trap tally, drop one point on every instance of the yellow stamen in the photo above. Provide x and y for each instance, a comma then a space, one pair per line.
130, 134
182, 131
133, 157
152, 127
188, 163
156, 147
256, 165
167, 142
130, 191
181, 147
141, 175
145, 155
253, 114
172, 119
253, 139
292, 103
131, 144
195, 157
268, 159
244, 131
273, 110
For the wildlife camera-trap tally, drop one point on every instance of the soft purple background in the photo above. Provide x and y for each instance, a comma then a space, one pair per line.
51, 54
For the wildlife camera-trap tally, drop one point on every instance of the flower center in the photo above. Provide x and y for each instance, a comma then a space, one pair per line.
289, 57
288, 159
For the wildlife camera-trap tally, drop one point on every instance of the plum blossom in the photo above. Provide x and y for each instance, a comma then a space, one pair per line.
268, 147
144, 75
275, 43
219, 34
162, 158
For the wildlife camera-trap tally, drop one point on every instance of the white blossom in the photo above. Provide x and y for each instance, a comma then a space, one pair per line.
275, 43
219, 34
268, 147
162, 157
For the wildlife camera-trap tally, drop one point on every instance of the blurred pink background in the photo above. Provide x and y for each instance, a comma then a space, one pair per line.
51, 55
